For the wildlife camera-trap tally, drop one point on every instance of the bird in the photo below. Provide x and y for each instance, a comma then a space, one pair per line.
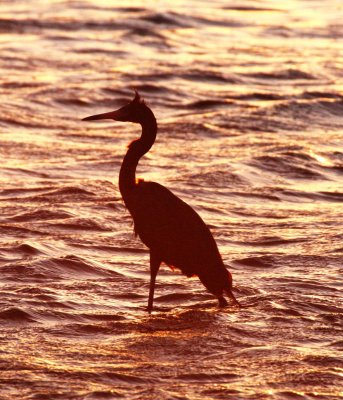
173, 231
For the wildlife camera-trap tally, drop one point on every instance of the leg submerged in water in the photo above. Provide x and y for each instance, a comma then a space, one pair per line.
228, 289
233, 298
222, 302
155, 263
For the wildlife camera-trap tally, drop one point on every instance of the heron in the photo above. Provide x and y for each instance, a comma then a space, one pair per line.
173, 231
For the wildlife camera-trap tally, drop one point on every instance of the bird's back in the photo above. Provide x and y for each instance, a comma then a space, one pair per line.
172, 229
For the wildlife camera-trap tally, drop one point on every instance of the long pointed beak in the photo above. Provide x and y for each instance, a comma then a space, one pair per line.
116, 115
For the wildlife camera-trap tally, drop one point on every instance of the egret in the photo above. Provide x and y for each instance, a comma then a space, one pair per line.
169, 227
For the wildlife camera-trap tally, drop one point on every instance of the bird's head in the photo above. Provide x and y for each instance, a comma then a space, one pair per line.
135, 111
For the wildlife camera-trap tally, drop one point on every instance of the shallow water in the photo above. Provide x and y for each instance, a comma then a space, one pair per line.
248, 97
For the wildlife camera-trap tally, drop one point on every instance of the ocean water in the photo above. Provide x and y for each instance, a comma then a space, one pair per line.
248, 96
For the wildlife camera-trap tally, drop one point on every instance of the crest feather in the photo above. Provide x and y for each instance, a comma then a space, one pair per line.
138, 98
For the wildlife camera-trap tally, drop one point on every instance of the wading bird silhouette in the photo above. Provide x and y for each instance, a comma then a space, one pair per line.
173, 231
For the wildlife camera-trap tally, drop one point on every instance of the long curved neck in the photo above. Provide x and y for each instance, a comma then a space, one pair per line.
127, 175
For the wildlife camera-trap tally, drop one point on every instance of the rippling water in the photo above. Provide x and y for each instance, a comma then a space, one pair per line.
248, 96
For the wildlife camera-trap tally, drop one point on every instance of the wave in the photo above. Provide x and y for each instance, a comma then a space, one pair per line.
193, 75
190, 131
208, 76
21, 85
143, 32
22, 191
305, 114
81, 224
174, 19
24, 119
284, 114
151, 88
273, 241
288, 166
251, 8
24, 248
265, 96
208, 377
321, 107
19, 231
314, 94
73, 101
174, 297
214, 179
26, 25
40, 215
111, 249
27, 171
298, 164
288, 74
338, 250
315, 306
166, 19
54, 268
73, 265
16, 315
100, 50
257, 262
61, 195
126, 378
255, 195
205, 104
295, 195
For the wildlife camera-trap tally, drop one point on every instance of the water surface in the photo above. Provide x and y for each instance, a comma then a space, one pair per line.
248, 98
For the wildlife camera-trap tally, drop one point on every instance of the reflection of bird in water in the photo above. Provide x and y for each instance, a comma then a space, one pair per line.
173, 231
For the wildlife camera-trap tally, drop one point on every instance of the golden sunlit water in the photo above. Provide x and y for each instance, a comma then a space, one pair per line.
248, 99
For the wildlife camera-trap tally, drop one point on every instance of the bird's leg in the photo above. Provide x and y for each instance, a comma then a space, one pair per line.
222, 301
155, 263
233, 298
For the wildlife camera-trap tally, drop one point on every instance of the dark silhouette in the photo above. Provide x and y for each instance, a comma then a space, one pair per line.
173, 231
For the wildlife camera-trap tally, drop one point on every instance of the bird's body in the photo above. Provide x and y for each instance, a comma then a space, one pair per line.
169, 227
